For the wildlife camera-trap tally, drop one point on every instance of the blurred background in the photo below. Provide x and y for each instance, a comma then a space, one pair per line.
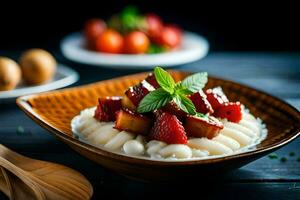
243, 26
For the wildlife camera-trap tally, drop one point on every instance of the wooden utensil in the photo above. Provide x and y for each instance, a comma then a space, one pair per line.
25, 178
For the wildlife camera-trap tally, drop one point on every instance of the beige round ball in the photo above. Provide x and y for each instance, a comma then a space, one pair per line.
10, 74
38, 66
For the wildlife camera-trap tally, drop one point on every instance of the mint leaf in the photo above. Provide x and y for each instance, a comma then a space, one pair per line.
183, 91
195, 82
154, 100
185, 104
164, 79
180, 89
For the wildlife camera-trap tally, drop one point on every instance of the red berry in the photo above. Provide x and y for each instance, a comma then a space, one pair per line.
170, 36
138, 92
133, 122
93, 28
201, 103
202, 127
154, 25
107, 108
216, 97
173, 109
169, 129
231, 111
151, 79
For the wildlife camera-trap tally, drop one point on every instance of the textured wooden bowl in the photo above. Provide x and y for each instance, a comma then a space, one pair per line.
54, 111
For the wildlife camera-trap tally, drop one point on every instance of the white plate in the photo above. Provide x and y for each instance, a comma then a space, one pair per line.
194, 47
63, 77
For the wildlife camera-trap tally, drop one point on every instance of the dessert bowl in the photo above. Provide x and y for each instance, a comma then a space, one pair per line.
55, 110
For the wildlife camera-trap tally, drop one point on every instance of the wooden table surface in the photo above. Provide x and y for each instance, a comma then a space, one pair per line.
275, 73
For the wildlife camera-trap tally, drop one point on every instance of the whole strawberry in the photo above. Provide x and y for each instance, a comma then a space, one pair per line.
167, 128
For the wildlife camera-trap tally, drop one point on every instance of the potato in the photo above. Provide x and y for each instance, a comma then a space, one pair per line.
10, 74
38, 66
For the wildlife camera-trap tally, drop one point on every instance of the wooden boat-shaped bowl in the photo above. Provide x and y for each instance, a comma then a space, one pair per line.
54, 111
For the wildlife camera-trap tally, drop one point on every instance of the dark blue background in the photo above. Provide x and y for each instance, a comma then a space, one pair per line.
233, 26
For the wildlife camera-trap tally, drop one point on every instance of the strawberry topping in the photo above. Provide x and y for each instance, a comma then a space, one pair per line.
202, 127
169, 129
231, 111
138, 92
107, 107
201, 103
127, 120
216, 97
152, 81
173, 109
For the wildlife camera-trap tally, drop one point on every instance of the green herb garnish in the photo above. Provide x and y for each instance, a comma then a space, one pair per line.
195, 82
127, 20
20, 130
273, 156
171, 91
157, 99
184, 104
165, 80
291, 154
154, 48
283, 159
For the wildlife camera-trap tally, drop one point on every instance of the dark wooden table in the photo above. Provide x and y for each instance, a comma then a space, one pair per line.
276, 73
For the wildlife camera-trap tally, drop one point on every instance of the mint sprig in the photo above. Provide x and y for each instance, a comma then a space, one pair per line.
195, 82
154, 100
185, 104
171, 91
164, 79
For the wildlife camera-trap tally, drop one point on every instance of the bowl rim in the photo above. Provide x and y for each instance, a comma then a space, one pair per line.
23, 104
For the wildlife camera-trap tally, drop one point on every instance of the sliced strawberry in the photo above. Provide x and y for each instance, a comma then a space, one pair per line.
136, 123
216, 97
201, 103
107, 107
169, 129
231, 111
138, 92
152, 81
173, 109
202, 127
127, 103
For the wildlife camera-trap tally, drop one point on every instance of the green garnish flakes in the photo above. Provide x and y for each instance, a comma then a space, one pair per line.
20, 130
291, 154
283, 159
273, 156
